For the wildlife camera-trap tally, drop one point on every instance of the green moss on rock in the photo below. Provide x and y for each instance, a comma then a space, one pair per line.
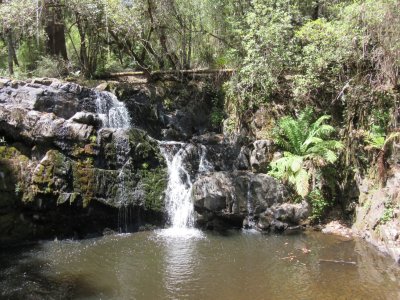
143, 148
45, 176
84, 180
154, 183
8, 152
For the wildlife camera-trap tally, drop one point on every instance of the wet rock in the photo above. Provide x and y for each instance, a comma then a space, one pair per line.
210, 138
239, 194
4, 82
242, 161
377, 215
261, 155
61, 174
338, 228
87, 118
102, 86
285, 215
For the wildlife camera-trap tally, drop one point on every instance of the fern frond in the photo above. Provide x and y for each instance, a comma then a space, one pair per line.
302, 184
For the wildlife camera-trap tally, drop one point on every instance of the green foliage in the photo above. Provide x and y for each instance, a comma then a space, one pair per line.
290, 168
268, 46
93, 139
217, 116
318, 204
18, 188
154, 183
387, 215
377, 139
306, 149
29, 54
52, 67
327, 46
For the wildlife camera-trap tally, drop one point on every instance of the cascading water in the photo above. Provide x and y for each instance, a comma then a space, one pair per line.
114, 114
178, 200
111, 111
179, 206
250, 208
204, 165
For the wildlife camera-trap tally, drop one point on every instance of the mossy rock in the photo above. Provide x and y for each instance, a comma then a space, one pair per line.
8, 152
144, 149
84, 180
154, 183
51, 175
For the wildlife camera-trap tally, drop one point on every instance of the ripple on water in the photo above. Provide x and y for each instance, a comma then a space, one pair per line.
180, 233
190, 264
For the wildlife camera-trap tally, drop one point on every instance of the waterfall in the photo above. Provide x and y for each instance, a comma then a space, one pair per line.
114, 114
204, 165
111, 111
178, 194
250, 207
179, 188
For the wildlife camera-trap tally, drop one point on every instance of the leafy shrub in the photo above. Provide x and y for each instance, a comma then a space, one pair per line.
318, 204
48, 66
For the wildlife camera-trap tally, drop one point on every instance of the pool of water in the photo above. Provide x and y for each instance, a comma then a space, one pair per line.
236, 265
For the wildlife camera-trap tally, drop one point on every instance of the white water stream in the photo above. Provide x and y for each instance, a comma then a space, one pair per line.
111, 111
178, 200
114, 114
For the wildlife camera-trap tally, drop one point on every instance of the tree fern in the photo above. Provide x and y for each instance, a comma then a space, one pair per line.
306, 147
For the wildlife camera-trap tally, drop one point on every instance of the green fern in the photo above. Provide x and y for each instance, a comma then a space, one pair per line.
306, 146
376, 139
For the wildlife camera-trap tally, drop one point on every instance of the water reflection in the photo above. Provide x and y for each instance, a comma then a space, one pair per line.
179, 266
171, 265
181, 259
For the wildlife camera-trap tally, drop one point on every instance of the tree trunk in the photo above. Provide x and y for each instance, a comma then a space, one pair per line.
163, 42
54, 27
189, 55
83, 53
315, 14
10, 52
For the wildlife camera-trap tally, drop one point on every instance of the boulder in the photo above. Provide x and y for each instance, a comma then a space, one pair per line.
261, 155
241, 194
87, 118
59, 169
283, 215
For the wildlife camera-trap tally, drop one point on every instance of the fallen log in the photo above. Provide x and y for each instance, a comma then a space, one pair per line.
338, 261
173, 72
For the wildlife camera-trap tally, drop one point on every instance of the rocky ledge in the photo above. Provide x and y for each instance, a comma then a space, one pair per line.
245, 199
66, 169
71, 163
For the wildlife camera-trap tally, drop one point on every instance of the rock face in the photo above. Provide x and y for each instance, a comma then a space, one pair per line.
171, 110
76, 161
377, 218
66, 168
240, 196
261, 155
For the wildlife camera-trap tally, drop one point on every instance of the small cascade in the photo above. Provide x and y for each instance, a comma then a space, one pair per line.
122, 147
111, 111
125, 218
114, 114
178, 199
204, 165
250, 208
179, 206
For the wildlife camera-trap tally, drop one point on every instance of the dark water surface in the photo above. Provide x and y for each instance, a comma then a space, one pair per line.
238, 265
